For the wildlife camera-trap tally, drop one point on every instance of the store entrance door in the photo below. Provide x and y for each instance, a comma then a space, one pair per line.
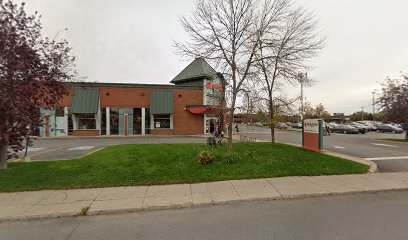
211, 125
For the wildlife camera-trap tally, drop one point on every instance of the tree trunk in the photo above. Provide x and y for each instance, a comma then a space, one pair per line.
230, 126
3, 157
272, 129
271, 119
406, 131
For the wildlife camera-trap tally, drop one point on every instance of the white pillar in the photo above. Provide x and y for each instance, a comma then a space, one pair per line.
143, 121
74, 122
66, 112
107, 121
151, 121
98, 120
205, 124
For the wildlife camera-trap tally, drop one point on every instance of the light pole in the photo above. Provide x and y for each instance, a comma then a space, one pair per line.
301, 77
373, 103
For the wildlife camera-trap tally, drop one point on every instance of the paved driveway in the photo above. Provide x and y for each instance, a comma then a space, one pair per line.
390, 156
71, 147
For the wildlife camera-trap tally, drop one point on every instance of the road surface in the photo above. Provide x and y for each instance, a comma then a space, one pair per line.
361, 216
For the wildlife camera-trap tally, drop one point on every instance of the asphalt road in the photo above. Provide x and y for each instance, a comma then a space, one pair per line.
389, 156
360, 216
72, 147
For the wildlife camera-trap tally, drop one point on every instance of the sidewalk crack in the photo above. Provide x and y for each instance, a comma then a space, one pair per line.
35, 204
145, 196
274, 188
235, 189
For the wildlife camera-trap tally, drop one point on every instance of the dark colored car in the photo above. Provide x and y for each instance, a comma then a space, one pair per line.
296, 125
280, 125
384, 128
361, 128
346, 129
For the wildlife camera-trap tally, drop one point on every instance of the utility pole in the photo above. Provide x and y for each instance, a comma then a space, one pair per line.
301, 79
362, 113
373, 104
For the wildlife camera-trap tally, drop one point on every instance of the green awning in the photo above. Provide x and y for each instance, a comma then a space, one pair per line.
86, 100
161, 102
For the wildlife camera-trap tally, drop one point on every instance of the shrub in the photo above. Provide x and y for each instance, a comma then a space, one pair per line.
231, 158
205, 157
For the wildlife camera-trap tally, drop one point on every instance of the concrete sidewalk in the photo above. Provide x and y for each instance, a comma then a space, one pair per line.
59, 203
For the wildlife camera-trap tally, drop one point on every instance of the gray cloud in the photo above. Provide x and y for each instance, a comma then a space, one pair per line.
131, 41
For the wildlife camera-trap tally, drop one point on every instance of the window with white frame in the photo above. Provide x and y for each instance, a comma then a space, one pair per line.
86, 121
162, 121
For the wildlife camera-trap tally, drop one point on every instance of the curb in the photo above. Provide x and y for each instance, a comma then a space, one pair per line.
119, 137
192, 205
373, 166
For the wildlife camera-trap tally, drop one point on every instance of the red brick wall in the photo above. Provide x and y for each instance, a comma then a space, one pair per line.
184, 122
125, 97
66, 101
91, 133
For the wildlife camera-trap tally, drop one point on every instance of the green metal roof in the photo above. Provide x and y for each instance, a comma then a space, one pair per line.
199, 68
161, 102
130, 85
86, 100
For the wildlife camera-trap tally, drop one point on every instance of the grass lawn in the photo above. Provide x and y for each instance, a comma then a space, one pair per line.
144, 164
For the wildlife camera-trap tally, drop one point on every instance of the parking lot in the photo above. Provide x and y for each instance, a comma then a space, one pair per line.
73, 147
389, 156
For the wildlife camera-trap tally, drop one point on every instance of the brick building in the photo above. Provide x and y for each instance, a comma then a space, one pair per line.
189, 105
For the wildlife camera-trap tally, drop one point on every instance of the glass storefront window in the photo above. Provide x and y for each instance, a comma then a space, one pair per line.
103, 121
147, 119
162, 121
86, 121
114, 121
137, 121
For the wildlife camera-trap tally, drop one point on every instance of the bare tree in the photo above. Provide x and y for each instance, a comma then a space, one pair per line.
283, 51
227, 33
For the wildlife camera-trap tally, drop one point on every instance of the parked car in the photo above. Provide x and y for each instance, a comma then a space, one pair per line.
388, 128
361, 128
281, 125
346, 129
257, 124
296, 125
332, 125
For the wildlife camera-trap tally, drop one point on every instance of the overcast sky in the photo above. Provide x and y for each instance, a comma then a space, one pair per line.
132, 41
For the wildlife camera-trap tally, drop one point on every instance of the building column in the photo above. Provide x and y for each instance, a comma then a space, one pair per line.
152, 122
47, 125
204, 122
107, 121
126, 124
98, 120
74, 122
66, 112
143, 121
